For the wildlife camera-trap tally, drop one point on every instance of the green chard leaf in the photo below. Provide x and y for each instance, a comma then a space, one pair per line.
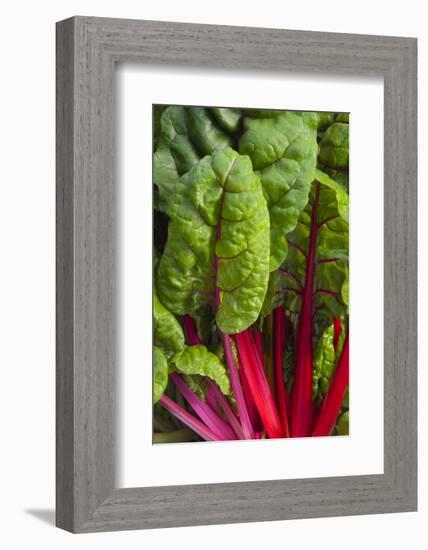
333, 158
228, 119
197, 360
262, 113
204, 134
325, 119
341, 194
168, 334
284, 149
342, 117
332, 251
339, 176
324, 362
160, 373
217, 250
334, 146
157, 113
185, 135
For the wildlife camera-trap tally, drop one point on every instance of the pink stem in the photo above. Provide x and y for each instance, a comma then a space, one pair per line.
334, 398
216, 424
210, 400
192, 334
258, 341
337, 332
258, 383
301, 397
190, 421
215, 393
220, 400
251, 405
244, 418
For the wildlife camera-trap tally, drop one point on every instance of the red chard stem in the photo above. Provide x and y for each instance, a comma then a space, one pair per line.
334, 398
258, 341
189, 420
224, 405
216, 424
301, 398
337, 332
191, 332
244, 418
251, 405
259, 386
246, 424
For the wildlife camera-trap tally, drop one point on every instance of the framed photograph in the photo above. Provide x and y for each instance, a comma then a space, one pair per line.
236, 274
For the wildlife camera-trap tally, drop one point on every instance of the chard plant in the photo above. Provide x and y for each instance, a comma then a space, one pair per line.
251, 233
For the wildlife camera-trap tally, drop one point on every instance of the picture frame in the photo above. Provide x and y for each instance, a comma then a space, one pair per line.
87, 51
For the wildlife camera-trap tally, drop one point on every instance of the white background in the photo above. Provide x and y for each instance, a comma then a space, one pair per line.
361, 452
27, 286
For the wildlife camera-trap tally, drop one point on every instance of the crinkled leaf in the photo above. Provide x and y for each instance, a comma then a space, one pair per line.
204, 134
168, 334
334, 146
160, 373
186, 134
198, 360
325, 119
218, 243
266, 140
228, 119
175, 136
165, 176
284, 149
175, 154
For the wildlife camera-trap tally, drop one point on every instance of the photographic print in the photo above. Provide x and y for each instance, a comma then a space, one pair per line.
250, 274
202, 257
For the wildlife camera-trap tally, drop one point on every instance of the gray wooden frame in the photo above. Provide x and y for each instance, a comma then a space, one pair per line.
87, 50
